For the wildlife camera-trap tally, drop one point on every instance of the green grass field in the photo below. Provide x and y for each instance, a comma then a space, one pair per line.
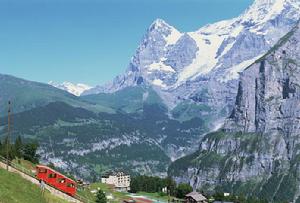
155, 196
15, 189
118, 196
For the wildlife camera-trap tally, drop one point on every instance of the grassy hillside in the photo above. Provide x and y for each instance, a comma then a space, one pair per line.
14, 188
26, 95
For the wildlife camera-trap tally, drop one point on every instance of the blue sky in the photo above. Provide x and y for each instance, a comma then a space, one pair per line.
91, 41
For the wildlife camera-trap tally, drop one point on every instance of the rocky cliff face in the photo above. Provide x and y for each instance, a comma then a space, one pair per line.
258, 150
268, 93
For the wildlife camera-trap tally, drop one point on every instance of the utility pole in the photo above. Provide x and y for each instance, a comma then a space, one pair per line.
8, 136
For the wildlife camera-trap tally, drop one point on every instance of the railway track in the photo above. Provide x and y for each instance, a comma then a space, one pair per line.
30, 176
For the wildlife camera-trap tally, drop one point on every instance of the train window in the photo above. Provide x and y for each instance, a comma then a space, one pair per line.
52, 175
42, 170
61, 180
70, 185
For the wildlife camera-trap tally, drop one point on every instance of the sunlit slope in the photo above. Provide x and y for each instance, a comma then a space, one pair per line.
15, 189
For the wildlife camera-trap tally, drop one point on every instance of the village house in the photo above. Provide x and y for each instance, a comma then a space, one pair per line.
195, 197
119, 180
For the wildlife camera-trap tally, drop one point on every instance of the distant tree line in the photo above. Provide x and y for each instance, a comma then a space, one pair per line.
19, 149
151, 184
156, 185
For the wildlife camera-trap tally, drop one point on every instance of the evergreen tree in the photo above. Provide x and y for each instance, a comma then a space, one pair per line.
101, 198
18, 148
30, 152
7, 149
51, 165
219, 196
0, 147
171, 185
183, 189
134, 185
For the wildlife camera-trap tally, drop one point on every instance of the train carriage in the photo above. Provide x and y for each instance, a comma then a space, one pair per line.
56, 179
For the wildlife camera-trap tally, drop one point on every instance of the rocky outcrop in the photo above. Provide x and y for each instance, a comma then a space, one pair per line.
258, 150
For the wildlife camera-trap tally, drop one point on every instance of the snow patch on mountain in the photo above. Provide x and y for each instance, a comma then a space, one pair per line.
158, 82
205, 59
235, 71
173, 37
160, 66
75, 89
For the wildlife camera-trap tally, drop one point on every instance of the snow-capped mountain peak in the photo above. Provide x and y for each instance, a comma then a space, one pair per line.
180, 65
262, 11
76, 89
159, 27
158, 23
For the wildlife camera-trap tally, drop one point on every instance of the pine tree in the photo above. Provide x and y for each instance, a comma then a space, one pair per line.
29, 152
51, 165
101, 198
183, 189
7, 146
1, 148
18, 148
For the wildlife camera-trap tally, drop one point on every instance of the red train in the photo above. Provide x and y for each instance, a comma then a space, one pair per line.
56, 179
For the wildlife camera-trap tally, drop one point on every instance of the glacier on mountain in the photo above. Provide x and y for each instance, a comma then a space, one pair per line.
76, 89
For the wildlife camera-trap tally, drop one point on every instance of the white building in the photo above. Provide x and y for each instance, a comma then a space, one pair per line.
120, 180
